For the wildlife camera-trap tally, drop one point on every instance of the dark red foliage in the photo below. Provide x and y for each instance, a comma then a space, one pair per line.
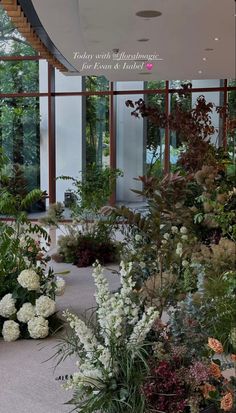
164, 390
193, 126
90, 250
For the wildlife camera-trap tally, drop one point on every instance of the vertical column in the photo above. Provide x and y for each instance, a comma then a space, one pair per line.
51, 135
43, 103
70, 133
129, 144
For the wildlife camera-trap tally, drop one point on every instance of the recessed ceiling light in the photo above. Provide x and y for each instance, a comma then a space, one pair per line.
216, 39
209, 49
200, 72
204, 59
143, 40
148, 13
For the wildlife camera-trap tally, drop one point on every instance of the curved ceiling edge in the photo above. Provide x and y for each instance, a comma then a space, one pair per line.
25, 19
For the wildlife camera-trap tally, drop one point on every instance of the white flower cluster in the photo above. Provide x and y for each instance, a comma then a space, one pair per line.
7, 306
60, 286
143, 327
115, 310
35, 316
119, 324
29, 279
26, 312
45, 306
10, 330
38, 327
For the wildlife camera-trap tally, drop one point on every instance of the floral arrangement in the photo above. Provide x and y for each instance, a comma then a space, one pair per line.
187, 379
28, 311
27, 289
111, 357
89, 237
129, 361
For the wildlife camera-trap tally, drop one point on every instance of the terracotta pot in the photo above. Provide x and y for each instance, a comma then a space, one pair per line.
209, 409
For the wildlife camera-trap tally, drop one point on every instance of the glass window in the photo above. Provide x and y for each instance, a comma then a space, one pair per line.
231, 135
19, 76
97, 124
20, 140
155, 136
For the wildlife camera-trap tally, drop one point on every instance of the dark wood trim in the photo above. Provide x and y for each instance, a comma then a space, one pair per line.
110, 93
51, 136
22, 95
32, 17
16, 58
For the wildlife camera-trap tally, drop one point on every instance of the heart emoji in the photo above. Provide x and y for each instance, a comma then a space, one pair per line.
149, 66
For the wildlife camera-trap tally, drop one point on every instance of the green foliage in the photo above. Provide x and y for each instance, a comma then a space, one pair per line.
94, 189
120, 394
19, 117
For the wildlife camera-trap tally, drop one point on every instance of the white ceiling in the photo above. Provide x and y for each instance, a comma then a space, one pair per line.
179, 36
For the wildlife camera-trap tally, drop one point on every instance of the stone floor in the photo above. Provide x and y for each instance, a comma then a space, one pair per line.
28, 381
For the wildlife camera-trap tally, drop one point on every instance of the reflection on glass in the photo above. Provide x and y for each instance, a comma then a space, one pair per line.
19, 139
185, 100
19, 76
97, 124
231, 135
155, 138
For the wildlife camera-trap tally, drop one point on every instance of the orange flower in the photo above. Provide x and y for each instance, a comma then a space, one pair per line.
206, 389
233, 357
215, 370
226, 402
215, 345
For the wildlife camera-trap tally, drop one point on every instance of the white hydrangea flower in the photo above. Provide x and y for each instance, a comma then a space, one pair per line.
38, 327
166, 236
45, 306
174, 230
60, 286
7, 306
10, 330
26, 312
29, 279
183, 230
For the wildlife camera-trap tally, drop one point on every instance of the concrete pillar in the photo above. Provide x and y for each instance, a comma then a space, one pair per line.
130, 153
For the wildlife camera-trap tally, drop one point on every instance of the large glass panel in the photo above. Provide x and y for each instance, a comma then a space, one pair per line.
19, 76
11, 41
185, 100
130, 149
97, 125
20, 141
155, 139
231, 135
69, 152
96, 84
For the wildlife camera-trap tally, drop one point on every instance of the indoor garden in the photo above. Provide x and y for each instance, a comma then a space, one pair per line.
131, 298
